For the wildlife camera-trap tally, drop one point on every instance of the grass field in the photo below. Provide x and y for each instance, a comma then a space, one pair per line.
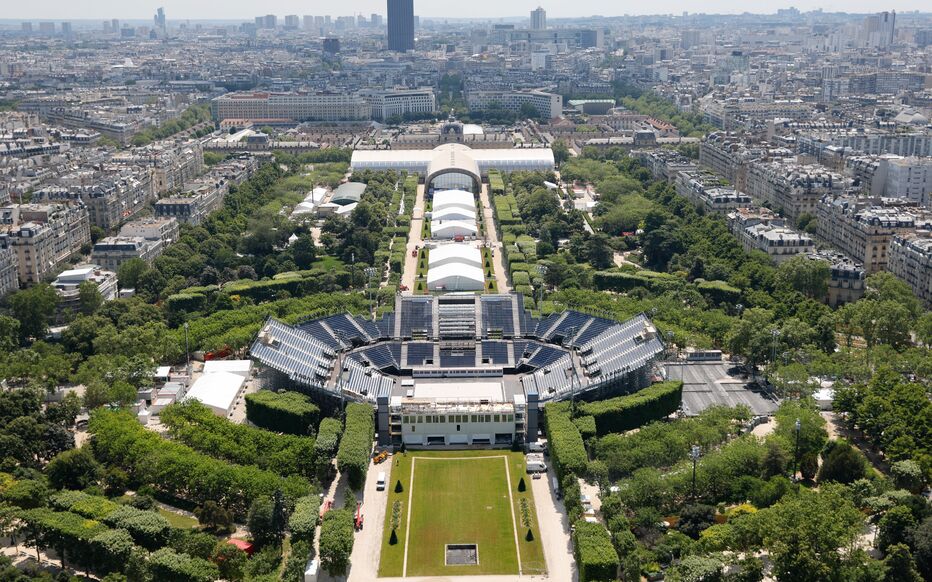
460, 497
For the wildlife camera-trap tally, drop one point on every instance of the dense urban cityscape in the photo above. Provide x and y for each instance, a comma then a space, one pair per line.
324, 297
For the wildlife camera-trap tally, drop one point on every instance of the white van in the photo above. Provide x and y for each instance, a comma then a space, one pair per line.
556, 487
535, 466
380, 482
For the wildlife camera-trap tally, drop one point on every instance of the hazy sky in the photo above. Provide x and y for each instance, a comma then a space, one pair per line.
246, 9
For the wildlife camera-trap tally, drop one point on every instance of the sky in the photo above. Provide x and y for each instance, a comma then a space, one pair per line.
247, 9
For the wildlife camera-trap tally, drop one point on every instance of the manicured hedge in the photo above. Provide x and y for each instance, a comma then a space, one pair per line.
586, 426
356, 445
621, 282
167, 564
328, 439
336, 541
596, 558
148, 528
198, 427
288, 412
303, 520
566, 444
719, 292
634, 410
120, 441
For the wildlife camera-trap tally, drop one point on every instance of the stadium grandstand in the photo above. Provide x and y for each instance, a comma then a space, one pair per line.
458, 368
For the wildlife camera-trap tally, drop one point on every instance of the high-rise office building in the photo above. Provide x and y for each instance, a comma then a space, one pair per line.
539, 19
879, 30
159, 19
401, 25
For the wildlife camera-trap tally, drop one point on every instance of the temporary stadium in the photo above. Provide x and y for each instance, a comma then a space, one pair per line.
460, 368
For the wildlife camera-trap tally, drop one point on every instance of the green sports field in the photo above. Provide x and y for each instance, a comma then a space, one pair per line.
460, 497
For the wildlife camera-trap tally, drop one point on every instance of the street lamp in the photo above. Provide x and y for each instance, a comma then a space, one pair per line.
694, 455
798, 426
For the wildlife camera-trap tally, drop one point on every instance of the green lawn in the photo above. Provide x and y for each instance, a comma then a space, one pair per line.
460, 501
177, 520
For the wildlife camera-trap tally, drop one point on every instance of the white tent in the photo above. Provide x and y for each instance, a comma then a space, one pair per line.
458, 254
448, 229
455, 277
453, 199
453, 213
218, 391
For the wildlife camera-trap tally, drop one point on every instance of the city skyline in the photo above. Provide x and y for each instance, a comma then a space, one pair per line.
479, 9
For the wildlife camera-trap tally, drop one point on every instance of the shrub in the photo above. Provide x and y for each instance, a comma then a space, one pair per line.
336, 541
595, 554
167, 564
586, 426
198, 427
289, 412
634, 410
304, 518
172, 467
353, 454
566, 444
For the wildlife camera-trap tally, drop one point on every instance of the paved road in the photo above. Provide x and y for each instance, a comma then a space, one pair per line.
498, 263
364, 561
414, 240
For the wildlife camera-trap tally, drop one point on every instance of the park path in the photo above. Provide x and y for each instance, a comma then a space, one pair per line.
491, 237
414, 240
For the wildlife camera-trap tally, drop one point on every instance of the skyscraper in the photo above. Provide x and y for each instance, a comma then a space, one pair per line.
159, 19
539, 19
401, 25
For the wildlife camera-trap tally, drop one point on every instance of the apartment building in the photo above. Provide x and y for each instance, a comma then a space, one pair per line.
779, 242
910, 259
791, 188
846, 282
548, 105
112, 251
664, 164
728, 156
9, 271
110, 198
892, 176
68, 285
43, 236
709, 193
862, 228
865, 141
165, 230
261, 107
400, 102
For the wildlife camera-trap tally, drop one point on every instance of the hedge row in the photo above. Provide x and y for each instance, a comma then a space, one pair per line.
719, 292
198, 427
167, 564
328, 438
621, 281
566, 444
147, 528
596, 558
356, 445
336, 541
288, 412
634, 410
178, 470
304, 518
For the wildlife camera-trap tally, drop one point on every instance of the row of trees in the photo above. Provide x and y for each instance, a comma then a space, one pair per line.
195, 425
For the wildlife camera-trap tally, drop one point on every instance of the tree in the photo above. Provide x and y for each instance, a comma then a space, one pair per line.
921, 540
336, 541
696, 518
129, 272
812, 433
696, 568
89, 298
304, 251
34, 307
9, 334
805, 532
842, 463
807, 276
894, 527
261, 521
908, 475
561, 153
900, 566
230, 559
213, 517
74, 469
809, 466
775, 461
